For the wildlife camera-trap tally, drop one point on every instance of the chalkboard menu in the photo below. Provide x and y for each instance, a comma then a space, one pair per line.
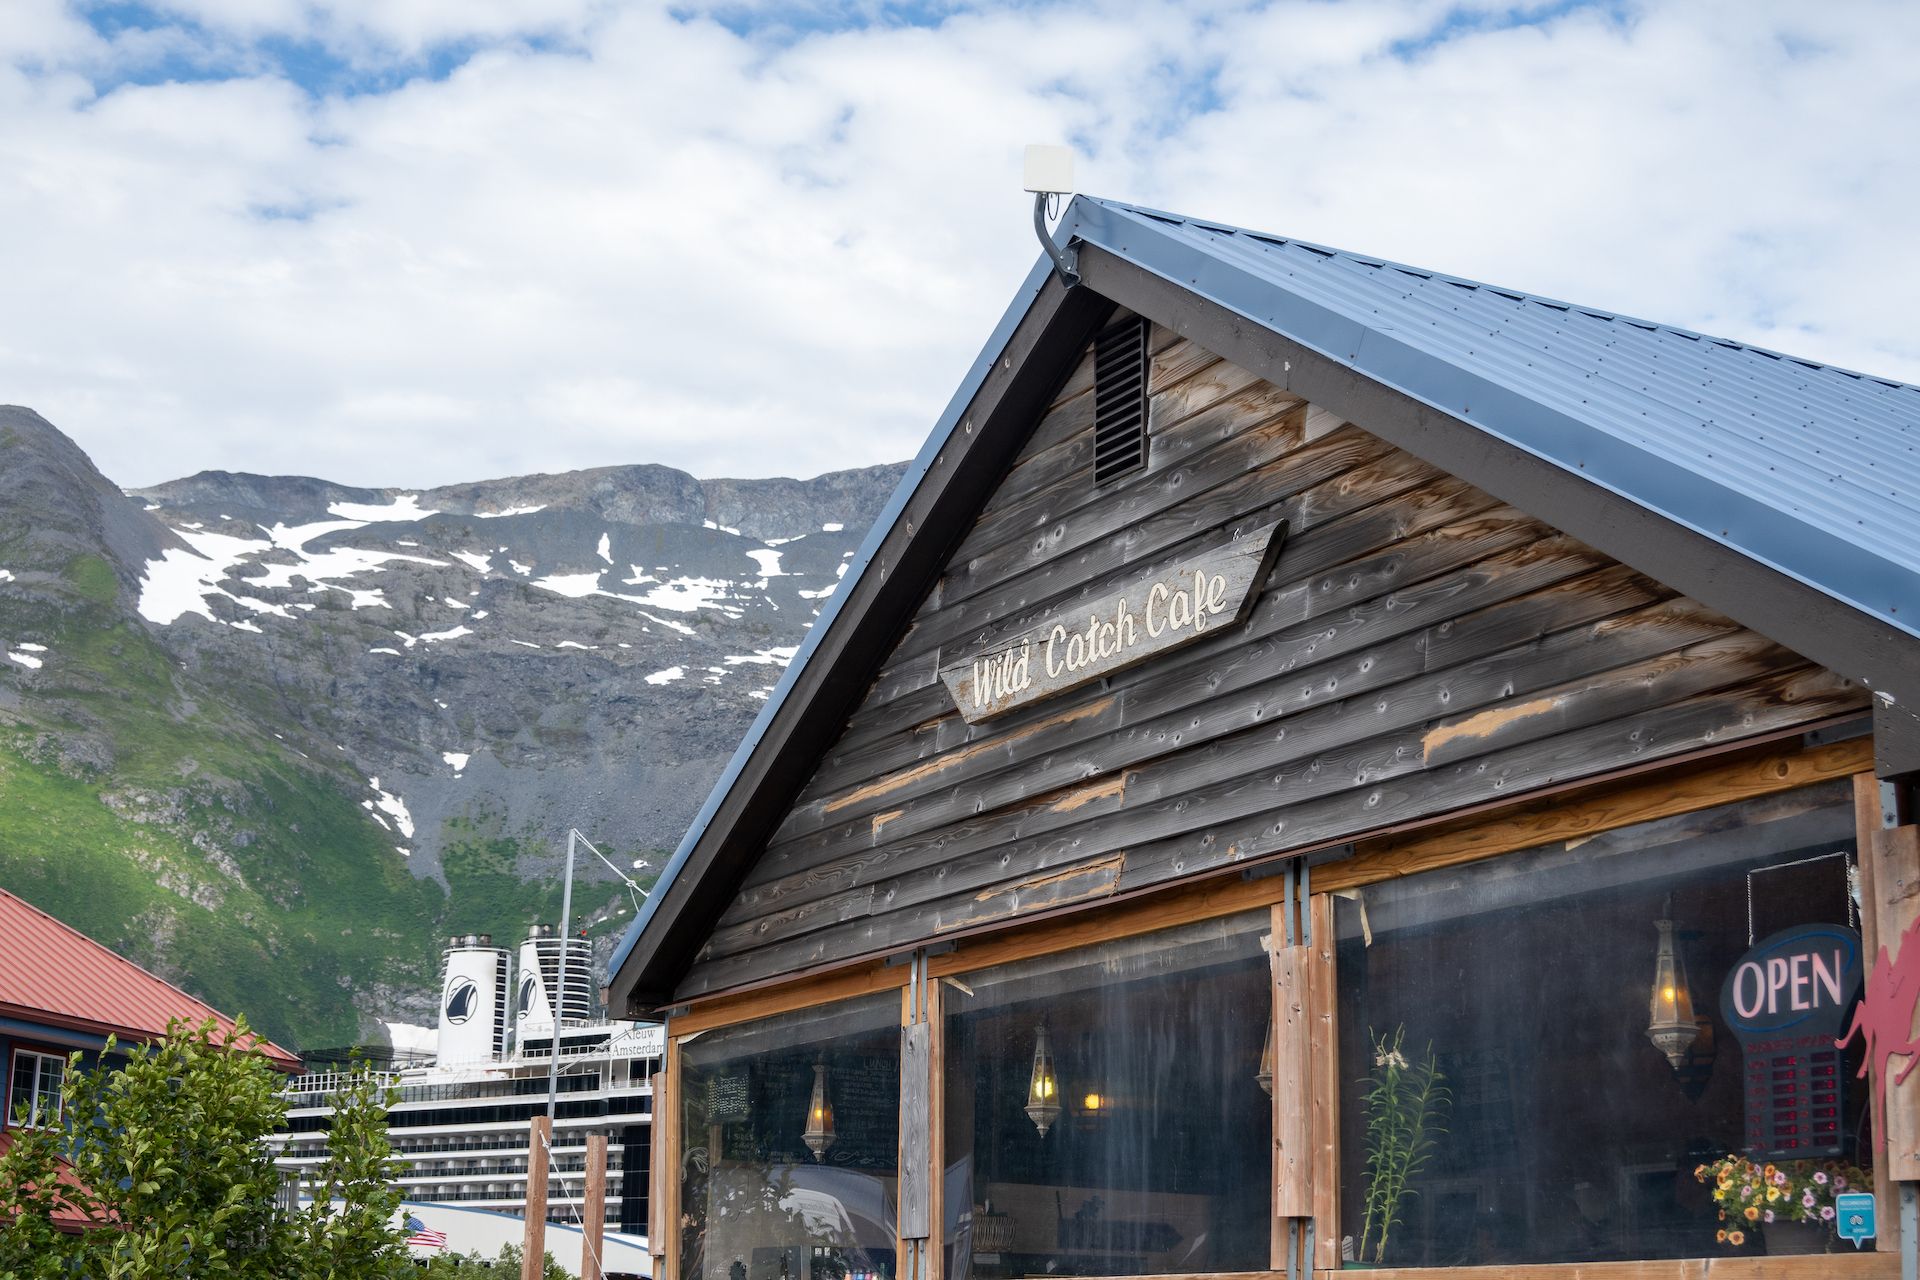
1786, 1000
862, 1087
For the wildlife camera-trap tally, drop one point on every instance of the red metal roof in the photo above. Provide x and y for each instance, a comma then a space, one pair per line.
57, 976
64, 1215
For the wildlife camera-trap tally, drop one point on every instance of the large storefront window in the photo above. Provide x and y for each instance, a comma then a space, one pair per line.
790, 1134
1103, 1109
1536, 1062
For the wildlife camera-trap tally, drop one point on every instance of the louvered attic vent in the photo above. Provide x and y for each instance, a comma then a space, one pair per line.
1120, 400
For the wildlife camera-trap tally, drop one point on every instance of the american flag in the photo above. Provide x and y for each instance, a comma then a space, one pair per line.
423, 1236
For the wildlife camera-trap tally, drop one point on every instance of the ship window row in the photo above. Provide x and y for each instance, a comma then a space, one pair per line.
496, 1114
316, 1094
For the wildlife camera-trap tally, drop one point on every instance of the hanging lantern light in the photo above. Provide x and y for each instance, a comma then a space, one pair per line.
1670, 1023
1043, 1088
818, 1134
1265, 1075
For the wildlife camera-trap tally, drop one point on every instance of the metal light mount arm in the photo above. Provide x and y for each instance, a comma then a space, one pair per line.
1065, 261
633, 888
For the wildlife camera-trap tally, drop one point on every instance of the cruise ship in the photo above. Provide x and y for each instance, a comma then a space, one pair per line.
459, 1124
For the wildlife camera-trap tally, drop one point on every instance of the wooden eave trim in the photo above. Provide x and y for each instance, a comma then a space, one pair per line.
988, 435
1647, 792
1781, 608
764, 1002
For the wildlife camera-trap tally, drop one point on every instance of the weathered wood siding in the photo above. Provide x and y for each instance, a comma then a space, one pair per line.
1418, 647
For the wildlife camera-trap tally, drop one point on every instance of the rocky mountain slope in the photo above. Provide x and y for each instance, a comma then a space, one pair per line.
273, 736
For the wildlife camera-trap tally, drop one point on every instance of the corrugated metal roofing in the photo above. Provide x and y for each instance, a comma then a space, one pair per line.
1810, 469
54, 973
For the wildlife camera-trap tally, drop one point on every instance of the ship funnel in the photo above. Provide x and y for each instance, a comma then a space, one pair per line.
473, 1001
540, 979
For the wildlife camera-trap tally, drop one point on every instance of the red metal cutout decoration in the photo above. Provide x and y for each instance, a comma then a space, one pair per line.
1884, 1021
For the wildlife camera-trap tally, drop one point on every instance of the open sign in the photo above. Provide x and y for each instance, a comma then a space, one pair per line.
1801, 979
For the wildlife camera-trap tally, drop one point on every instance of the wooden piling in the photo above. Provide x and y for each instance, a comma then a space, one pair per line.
593, 1223
539, 1148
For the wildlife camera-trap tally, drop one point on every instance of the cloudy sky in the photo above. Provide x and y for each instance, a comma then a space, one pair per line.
406, 242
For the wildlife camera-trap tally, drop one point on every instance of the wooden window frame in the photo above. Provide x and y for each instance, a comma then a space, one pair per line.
34, 1051
1602, 805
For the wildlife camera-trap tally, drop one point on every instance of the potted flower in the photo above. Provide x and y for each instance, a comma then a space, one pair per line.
1788, 1204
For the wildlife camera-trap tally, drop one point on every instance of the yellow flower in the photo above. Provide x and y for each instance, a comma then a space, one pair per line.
1773, 1193
1736, 1238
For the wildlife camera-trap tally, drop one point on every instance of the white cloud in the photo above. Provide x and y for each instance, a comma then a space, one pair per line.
615, 235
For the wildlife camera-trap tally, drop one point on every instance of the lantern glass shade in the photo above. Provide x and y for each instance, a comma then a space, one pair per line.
818, 1134
1265, 1074
1670, 1023
1043, 1085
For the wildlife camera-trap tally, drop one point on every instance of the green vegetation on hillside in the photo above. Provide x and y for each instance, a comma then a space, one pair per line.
162, 822
503, 882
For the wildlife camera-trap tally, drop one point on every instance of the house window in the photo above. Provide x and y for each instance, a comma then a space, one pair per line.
1104, 1111
34, 1099
1537, 1057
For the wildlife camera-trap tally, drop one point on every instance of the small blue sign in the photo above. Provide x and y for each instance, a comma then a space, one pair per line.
1853, 1215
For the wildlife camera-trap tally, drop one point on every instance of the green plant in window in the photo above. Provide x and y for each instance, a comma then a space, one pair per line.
1406, 1105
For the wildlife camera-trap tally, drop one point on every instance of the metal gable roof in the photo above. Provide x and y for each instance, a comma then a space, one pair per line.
1807, 468
52, 974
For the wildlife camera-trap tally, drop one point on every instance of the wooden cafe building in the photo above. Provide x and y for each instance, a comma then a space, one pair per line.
1323, 765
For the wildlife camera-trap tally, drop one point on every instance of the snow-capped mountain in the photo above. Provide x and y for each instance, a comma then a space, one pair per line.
470, 670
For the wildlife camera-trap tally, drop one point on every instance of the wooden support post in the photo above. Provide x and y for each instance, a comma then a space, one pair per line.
539, 1147
1323, 1083
937, 1134
593, 1214
1889, 904
663, 1193
1292, 1099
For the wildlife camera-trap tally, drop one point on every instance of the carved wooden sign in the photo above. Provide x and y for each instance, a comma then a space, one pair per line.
1150, 616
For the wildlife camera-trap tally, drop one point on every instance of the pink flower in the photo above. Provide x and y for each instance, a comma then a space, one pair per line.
1780, 1178
1839, 1182
1807, 1200
1820, 1176
1769, 1215
1826, 1212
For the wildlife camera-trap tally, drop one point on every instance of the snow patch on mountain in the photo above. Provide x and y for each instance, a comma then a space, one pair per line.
573, 585
405, 507
393, 806
779, 656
